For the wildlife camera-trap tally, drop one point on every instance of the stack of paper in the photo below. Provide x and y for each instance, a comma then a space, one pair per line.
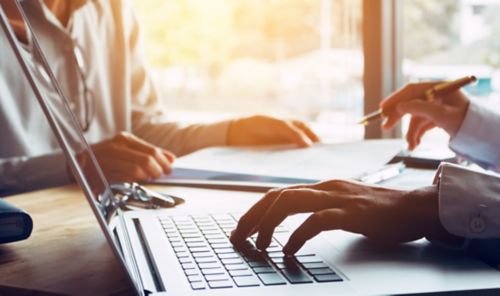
283, 165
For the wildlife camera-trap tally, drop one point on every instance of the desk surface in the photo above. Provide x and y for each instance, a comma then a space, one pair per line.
66, 253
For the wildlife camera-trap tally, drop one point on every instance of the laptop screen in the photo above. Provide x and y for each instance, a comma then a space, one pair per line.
34, 70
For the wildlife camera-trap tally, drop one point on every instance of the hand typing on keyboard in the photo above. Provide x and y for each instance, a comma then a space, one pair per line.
209, 261
388, 215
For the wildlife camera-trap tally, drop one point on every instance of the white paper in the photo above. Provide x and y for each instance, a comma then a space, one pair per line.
320, 162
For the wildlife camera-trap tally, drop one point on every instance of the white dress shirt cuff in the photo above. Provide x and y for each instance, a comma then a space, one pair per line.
469, 202
477, 139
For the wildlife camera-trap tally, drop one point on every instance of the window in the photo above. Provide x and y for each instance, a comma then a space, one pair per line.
448, 39
451, 38
291, 58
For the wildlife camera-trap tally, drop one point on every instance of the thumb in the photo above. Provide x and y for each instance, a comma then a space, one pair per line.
431, 111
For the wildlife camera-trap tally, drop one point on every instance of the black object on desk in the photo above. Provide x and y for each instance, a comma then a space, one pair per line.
15, 224
425, 158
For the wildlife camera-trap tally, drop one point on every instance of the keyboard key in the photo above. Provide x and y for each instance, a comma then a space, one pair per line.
296, 276
327, 278
222, 245
212, 271
258, 264
185, 260
189, 272
209, 265
194, 240
182, 254
174, 236
271, 279
196, 244
188, 228
240, 272
271, 249
219, 240
278, 260
212, 232
229, 256
232, 261
220, 284
199, 249
188, 266
263, 269
175, 239
318, 271
208, 228
206, 259
203, 254
304, 252
224, 250
246, 281
275, 254
180, 249
198, 285
195, 278
215, 236
217, 277
235, 266
315, 265
309, 259
197, 235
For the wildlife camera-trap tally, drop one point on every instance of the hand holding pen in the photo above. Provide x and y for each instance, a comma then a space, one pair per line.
431, 104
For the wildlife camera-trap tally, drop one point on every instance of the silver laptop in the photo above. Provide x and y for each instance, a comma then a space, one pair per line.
185, 250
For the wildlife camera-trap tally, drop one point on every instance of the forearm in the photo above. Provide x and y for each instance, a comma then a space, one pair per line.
22, 174
184, 139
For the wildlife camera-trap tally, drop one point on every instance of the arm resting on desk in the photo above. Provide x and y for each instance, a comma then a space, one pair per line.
22, 174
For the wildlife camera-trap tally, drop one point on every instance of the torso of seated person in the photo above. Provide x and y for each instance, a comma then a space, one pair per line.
60, 8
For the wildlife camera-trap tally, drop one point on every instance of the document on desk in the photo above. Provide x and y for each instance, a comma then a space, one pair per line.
282, 165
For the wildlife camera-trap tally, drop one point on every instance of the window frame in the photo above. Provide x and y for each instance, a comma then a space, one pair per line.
382, 49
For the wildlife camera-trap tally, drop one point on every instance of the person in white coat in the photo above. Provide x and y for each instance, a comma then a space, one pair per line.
94, 49
462, 204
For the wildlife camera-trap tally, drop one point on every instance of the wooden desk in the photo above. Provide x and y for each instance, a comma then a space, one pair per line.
66, 253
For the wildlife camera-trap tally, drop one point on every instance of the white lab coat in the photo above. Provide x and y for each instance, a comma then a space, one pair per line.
126, 100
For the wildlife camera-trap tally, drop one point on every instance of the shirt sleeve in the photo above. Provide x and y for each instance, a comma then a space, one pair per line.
21, 174
148, 120
469, 202
478, 139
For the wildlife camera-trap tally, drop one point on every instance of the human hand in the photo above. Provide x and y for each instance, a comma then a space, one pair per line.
382, 214
265, 130
446, 112
127, 158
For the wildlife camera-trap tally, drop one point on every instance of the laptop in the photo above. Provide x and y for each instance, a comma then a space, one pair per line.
184, 250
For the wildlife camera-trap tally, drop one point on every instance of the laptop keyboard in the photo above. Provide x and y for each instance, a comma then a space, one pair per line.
210, 261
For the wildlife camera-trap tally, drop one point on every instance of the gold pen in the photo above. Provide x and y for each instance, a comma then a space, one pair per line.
430, 95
